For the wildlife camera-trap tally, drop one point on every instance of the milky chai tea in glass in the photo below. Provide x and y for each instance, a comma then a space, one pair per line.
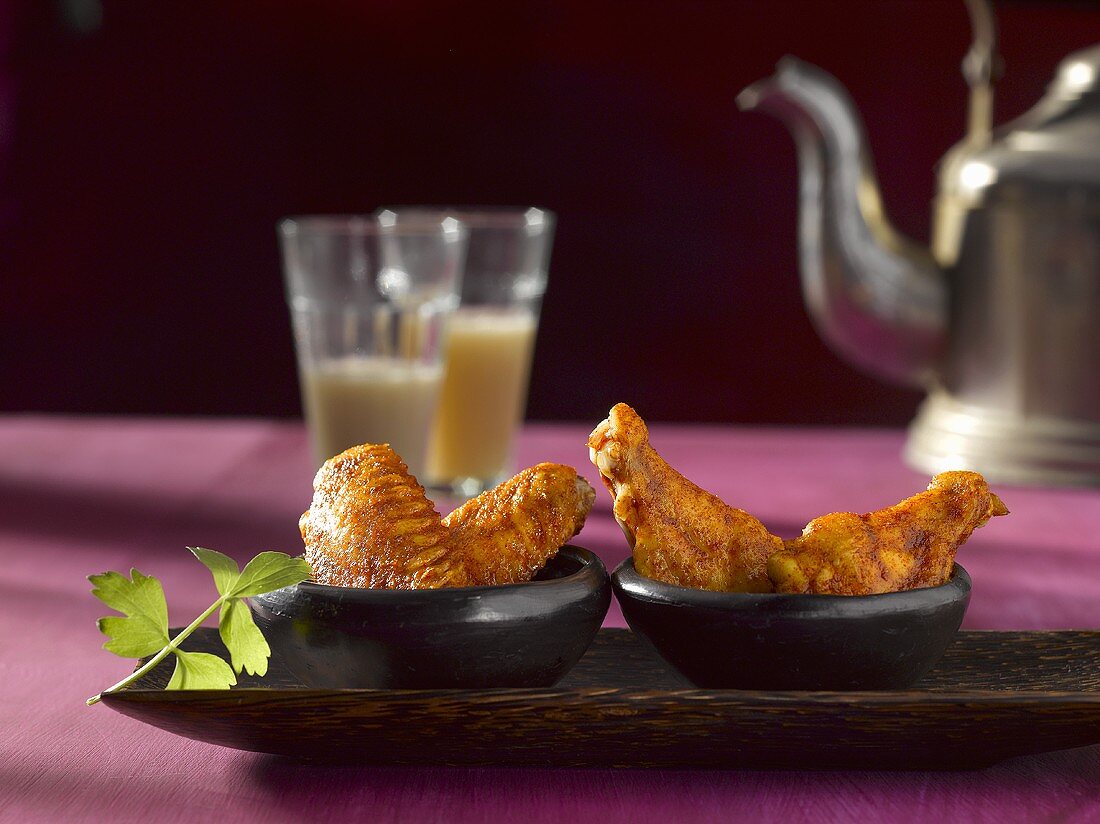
368, 303
488, 343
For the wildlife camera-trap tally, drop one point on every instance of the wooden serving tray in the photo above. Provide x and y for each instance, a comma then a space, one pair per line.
995, 695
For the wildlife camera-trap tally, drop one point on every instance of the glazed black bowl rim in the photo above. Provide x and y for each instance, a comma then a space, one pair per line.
630, 582
590, 562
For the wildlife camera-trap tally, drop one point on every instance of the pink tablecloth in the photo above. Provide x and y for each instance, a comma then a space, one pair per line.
80, 495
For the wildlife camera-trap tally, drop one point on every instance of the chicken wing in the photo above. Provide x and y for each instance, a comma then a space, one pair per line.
680, 534
906, 546
508, 533
371, 525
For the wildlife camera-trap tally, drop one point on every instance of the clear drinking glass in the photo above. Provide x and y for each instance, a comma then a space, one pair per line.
367, 304
488, 343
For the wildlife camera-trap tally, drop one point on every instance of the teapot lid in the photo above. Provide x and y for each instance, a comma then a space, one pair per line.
1052, 144
1078, 74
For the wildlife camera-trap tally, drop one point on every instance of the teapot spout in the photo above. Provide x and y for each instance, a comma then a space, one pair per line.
877, 298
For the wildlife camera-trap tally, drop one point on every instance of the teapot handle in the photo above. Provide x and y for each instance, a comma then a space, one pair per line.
981, 67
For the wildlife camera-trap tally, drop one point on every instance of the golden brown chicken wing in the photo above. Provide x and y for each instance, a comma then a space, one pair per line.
684, 535
508, 533
906, 546
680, 534
371, 525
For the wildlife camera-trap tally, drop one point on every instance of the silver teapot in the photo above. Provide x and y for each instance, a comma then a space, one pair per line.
1000, 320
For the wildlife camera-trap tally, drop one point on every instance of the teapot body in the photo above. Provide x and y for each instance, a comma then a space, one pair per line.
1017, 233
1000, 320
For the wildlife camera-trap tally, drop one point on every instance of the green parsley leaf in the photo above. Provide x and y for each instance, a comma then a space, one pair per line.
222, 567
142, 630
140, 598
201, 671
269, 571
247, 646
133, 637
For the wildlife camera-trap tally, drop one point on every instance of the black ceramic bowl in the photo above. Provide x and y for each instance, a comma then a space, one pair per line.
794, 642
514, 635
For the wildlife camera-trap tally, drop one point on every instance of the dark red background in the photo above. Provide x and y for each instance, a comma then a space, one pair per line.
149, 150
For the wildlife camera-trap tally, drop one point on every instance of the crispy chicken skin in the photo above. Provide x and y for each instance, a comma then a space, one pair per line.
508, 533
371, 525
906, 546
680, 534
683, 535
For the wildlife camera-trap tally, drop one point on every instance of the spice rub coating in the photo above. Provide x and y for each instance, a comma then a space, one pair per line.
905, 546
680, 533
370, 524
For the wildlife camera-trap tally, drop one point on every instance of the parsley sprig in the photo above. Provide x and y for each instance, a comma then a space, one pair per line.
142, 629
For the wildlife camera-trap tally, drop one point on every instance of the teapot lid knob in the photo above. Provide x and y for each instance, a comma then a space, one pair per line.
1078, 74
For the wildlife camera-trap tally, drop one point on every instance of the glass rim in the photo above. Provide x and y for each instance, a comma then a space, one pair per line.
364, 225
477, 217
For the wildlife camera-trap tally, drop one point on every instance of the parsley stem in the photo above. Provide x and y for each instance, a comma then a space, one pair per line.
169, 648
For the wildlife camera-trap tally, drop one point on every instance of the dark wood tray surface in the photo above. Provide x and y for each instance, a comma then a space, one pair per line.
995, 695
